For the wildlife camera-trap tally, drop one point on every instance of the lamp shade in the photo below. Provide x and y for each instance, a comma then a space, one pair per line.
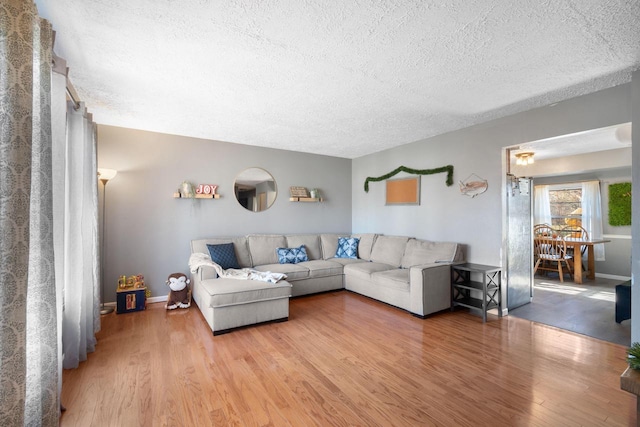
106, 174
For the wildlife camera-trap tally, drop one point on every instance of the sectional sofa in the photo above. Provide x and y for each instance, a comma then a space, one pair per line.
405, 272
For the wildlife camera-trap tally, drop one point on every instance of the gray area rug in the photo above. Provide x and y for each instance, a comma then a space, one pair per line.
587, 309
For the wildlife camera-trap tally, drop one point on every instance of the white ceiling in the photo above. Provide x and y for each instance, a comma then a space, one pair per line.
341, 78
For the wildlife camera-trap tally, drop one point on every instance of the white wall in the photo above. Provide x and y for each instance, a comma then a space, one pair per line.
635, 200
148, 231
444, 213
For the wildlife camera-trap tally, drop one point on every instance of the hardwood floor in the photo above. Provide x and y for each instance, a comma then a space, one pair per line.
343, 359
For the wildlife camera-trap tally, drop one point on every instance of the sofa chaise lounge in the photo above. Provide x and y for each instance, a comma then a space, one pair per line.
405, 272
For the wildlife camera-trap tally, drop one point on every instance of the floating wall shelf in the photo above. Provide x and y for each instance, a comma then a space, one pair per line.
199, 196
305, 199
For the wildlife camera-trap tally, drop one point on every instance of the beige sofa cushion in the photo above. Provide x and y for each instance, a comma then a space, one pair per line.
263, 247
398, 278
224, 292
293, 271
311, 243
345, 261
420, 252
322, 268
364, 270
329, 243
365, 245
389, 250
239, 245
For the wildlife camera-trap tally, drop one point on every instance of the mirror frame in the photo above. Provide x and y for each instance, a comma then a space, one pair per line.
254, 177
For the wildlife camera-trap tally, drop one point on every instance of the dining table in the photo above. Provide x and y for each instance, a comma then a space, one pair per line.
577, 244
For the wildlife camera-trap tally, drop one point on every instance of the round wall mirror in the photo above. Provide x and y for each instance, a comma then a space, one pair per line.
255, 189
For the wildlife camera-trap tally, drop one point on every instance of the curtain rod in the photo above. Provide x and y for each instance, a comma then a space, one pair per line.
568, 182
59, 65
76, 103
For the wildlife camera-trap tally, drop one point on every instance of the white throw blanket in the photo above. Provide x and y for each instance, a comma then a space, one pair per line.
198, 260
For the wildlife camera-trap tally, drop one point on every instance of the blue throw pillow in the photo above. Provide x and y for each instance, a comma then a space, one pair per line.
292, 255
347, 247
224, 255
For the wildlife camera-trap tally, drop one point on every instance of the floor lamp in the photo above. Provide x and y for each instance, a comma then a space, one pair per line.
104, 175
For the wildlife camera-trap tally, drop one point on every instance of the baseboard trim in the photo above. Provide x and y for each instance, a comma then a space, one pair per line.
496, 312
613, 277
163, 298
150, 300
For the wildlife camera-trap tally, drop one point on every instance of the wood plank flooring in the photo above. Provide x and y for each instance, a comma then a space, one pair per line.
343, 360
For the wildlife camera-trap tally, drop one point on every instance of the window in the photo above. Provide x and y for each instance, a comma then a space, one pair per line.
571, 205
565, 202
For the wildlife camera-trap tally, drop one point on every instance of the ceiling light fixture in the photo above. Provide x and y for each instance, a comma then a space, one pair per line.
524, 158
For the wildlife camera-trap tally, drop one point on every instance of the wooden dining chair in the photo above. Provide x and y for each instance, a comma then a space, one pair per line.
551, 255
543, 230
576, 232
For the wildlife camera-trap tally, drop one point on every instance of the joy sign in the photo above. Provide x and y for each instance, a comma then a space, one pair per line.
206, 189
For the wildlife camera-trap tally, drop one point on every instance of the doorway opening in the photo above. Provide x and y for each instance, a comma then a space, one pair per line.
562, 164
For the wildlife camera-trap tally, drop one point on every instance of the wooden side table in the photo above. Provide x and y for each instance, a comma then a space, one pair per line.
468, 279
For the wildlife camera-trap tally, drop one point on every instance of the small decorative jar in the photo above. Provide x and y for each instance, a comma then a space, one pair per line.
187, 189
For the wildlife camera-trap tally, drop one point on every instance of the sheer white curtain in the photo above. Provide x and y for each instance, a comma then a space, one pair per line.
78, 210
58, 134
592, 215
28, 335
541, 205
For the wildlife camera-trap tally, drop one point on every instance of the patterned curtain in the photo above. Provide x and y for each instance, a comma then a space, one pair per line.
28, 339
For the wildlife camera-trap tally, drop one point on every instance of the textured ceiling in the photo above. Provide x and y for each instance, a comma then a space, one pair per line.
341, 78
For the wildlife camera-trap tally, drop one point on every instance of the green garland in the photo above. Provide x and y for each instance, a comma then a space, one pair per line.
448, 169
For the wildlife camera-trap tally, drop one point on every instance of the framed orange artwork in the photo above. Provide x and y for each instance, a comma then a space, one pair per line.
403, 191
